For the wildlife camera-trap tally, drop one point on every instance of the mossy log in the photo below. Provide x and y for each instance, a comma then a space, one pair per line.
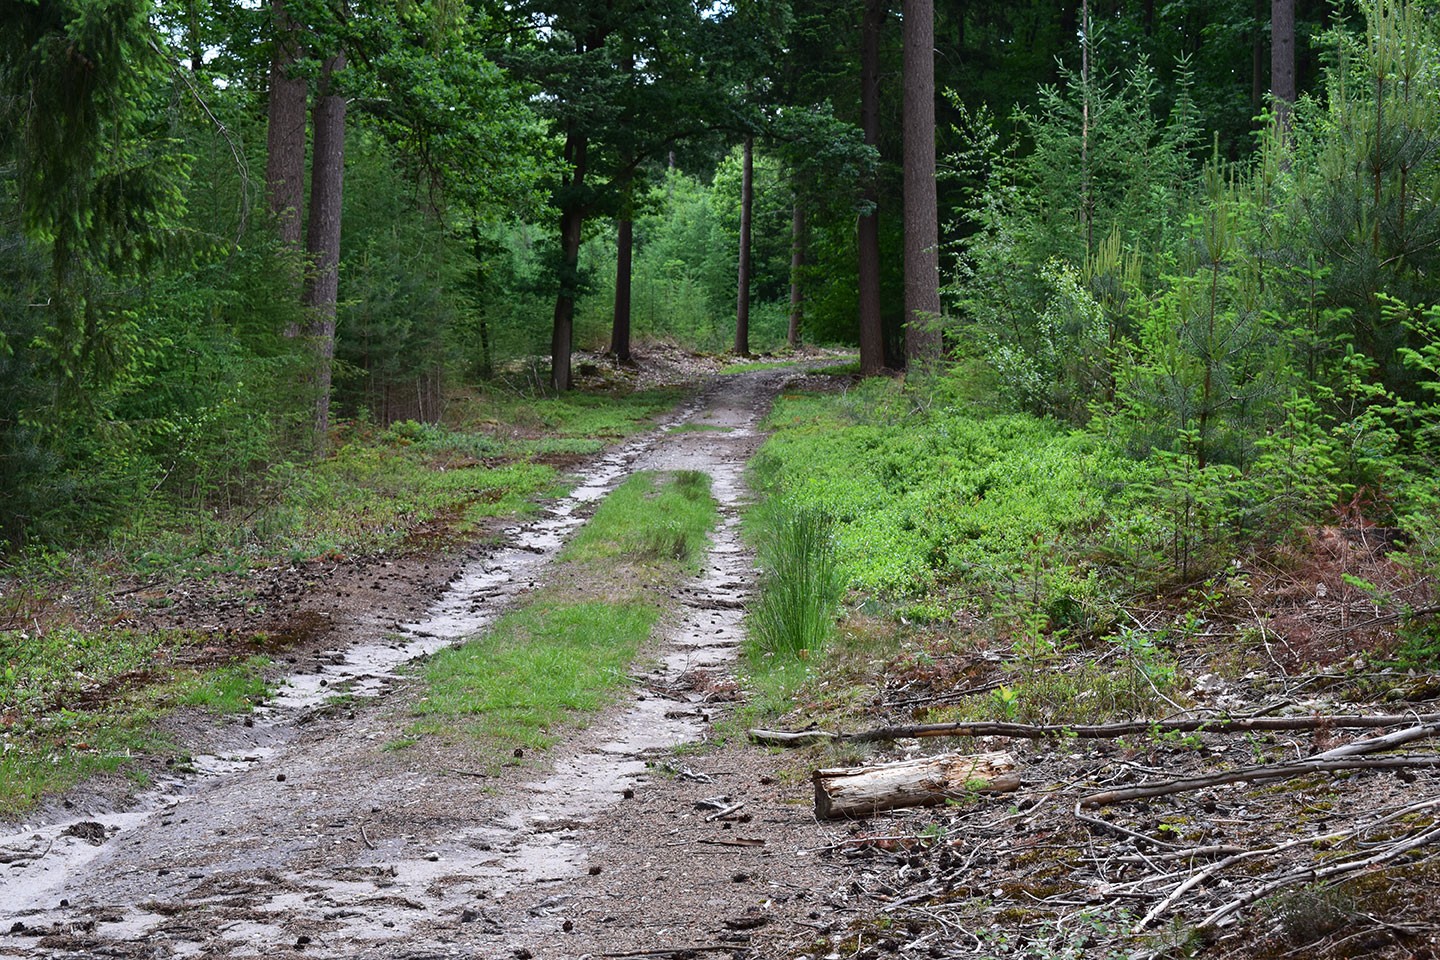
862, 791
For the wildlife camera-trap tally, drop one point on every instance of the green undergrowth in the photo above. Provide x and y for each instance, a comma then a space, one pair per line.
800, 585
936, 506
539, 670
700, 428
544, 667
522, 423
409, 485
927, 516
74, 705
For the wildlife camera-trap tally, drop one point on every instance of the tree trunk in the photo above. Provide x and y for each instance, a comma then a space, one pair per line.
922, 219
1282, 62
194, 37
797, 263
285, 129
624, 253
872, 342
572, 222
747, 204
863, 791
322, 237
1257, 60
624, 263
477, 248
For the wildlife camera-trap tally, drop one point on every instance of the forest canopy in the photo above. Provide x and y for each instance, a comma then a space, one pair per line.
1205, 233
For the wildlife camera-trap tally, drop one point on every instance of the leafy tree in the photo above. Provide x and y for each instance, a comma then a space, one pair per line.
611, 118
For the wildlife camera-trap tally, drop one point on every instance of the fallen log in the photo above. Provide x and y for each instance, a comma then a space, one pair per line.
862, 791
1100, 731
785, 738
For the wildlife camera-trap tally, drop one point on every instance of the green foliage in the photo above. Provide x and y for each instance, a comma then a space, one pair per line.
941, 500
800, 587
1366, 171
76, 704
1235, 327
1044, 278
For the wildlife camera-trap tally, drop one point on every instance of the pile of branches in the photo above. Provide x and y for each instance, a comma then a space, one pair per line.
1110, 851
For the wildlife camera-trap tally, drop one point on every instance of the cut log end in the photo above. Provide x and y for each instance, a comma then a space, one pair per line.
863, 791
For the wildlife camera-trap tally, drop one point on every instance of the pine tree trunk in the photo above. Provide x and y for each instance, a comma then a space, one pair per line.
1257, 60
285, 133
1282, 62
747, 204
572, 222
922, 219
624, 254
872, 342
194, 37
624, 262
477, 249
322, 237
797, 263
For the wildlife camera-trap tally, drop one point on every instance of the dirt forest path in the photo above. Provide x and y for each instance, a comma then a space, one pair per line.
300, 832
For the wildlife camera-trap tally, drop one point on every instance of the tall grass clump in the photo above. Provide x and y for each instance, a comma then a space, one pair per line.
800, 584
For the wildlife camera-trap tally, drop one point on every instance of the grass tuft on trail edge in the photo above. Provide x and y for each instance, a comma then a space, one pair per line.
545, 666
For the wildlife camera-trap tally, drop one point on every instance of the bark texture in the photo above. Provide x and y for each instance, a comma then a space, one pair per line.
922, 219
572, 223
322, 236
863, 791
624, 260
747, 209
285, 129
872, 342
797, 263
1282, 61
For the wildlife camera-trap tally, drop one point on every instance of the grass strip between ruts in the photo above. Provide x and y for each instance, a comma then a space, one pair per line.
563, 654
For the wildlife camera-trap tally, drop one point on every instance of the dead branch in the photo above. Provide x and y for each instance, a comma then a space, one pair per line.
1203, 875
1323, 873
673, 951
723, 813
866, 790
1340, 758
1276, 771
1101, 731
19, 856
782, 738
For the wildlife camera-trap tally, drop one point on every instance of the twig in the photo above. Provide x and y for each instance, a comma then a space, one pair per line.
721, 814
1201, 876
15, 856
366, 837
1109, 827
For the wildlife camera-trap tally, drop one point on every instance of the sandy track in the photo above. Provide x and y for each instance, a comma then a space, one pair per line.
304, 833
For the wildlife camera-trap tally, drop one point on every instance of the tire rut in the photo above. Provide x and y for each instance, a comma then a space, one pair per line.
309, 834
